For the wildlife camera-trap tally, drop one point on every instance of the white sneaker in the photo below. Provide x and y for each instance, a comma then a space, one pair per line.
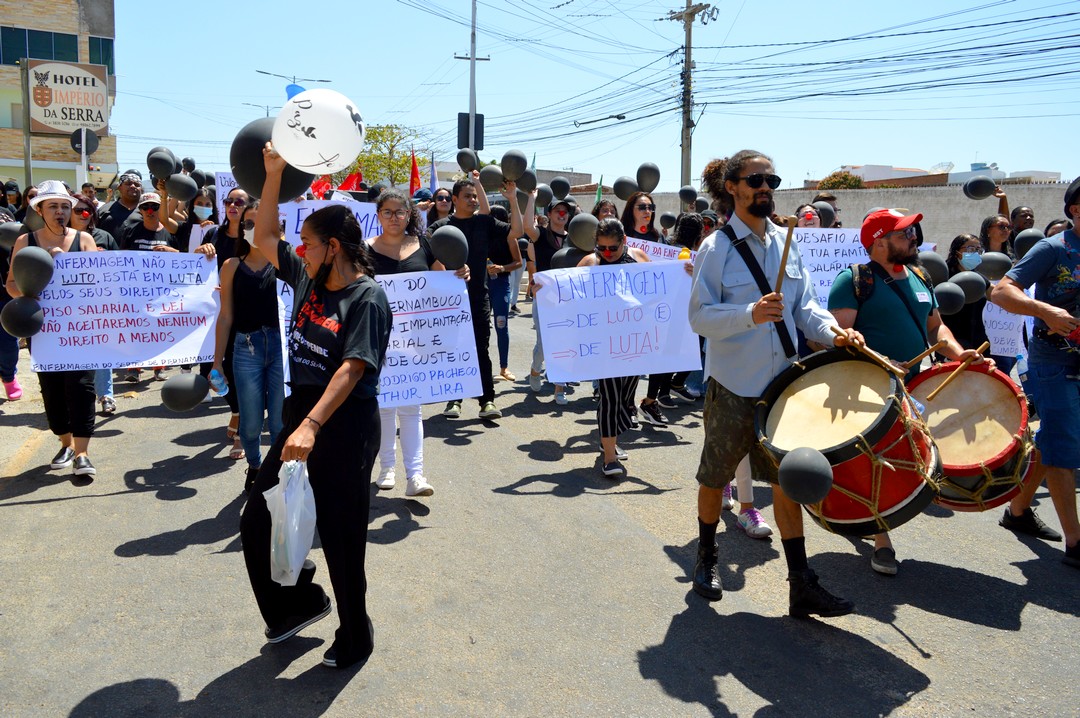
386, 479
418, 486
752, 522
208, 398
729, 500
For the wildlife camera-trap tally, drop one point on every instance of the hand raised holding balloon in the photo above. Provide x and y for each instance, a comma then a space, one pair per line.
272, 161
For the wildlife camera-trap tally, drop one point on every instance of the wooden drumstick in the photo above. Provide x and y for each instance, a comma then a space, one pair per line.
915, 362
956, 372
791, 221
878, 358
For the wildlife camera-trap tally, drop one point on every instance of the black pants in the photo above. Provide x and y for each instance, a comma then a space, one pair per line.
481, 321
69, 398
660, 384
339, 468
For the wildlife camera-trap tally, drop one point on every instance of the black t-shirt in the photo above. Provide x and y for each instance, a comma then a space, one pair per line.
546, 245
103, 239
140, 238
481, 230
224, 245
419, 261
111, 218
330, 327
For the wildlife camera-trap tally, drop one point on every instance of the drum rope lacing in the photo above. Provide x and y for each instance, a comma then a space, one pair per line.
1016, 478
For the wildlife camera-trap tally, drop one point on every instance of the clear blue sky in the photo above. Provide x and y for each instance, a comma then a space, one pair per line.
804, 85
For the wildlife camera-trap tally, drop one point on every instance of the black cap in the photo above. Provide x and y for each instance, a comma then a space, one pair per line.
1072, 196
11, 186
568, 201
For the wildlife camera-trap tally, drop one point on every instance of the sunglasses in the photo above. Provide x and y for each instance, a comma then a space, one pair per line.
608, 248
235, 202
757, 179
442, 198
151, 207
909, 232
84, 213
646, 207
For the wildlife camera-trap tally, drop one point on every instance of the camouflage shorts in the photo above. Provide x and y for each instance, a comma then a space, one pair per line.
729, 436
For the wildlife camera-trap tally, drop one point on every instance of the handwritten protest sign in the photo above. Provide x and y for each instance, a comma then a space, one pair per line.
657, 251
224, 182
1004, 330
616, 320
116, 309
293, 215
432, 351
826, 252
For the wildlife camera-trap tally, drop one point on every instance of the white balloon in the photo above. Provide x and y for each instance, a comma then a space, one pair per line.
319, 131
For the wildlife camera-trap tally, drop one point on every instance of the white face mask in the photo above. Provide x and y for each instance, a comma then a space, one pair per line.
203, 213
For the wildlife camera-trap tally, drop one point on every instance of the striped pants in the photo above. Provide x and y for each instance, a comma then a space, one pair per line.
616, 403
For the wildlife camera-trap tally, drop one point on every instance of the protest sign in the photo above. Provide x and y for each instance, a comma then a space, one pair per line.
118, 309
658, 251
827, 252
224, 182
1003, 329
616, 320
432, 351
293, 215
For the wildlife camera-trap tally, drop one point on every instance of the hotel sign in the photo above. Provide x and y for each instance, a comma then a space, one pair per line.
65, 96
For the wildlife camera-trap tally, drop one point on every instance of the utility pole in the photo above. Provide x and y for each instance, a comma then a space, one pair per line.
687, 17
472, 58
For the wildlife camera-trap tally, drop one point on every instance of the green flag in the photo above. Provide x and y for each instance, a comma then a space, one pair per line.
600, 188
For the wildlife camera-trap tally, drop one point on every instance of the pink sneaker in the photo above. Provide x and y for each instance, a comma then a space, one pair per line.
753, 523
14, 391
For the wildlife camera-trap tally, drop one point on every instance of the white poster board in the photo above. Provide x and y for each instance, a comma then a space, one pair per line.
224, 182
105, 310
1004, 330
432, 351
616, 320
658, 251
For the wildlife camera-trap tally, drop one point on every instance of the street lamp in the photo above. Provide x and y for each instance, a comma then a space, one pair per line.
263, 107
293, 79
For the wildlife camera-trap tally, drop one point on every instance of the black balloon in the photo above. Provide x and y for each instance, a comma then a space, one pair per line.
979, 187
513, 165
625, 187
161, 165
973, 284
246, 160
188, 164
701, 204
32, 269
491, 178
33, 221
22, 317
582, 230
543, 196
667, 220
166, 150
523, 245
211, 179
648, 176
199, 176
184, 392
805, 475
1025, 241
935, 266
950, 298
467, 159
826, 213
994, 265
526, 182
567, 257
449, 245
182, 187
560, 187
9, 232
688, 194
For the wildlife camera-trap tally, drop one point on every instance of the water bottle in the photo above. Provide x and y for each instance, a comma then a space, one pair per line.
218, 383
1021, 367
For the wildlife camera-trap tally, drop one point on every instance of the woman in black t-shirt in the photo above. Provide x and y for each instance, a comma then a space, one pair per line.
639, 217
341, 326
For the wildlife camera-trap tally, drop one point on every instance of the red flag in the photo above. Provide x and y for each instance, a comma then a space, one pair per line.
320, 186
352, 182
414, 177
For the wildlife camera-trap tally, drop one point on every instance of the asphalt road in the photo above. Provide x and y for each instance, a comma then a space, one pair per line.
528, 585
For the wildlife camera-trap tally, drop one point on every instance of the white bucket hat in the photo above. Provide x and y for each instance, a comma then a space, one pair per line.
52, 189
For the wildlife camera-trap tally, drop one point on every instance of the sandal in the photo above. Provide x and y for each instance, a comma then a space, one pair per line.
233, 427
236, 452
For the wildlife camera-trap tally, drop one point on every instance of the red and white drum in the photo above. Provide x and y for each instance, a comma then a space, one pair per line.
980, 425
858, 415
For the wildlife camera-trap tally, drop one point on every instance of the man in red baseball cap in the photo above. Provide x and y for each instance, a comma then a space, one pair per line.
891, 302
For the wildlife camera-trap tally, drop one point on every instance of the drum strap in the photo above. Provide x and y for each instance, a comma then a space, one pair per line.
763, 286
889, 282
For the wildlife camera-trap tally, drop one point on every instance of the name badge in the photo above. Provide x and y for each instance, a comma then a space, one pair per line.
923, 297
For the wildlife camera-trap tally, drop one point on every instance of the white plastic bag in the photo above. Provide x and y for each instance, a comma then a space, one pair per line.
292, 522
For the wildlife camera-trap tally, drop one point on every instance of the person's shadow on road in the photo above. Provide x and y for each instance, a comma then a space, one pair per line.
252, 689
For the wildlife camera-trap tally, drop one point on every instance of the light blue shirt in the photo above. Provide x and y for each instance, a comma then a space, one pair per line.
741, 355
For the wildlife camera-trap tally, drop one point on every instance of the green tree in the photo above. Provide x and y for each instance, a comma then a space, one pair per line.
387, 155
841, 180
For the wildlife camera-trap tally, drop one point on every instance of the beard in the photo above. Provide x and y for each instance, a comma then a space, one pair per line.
903, 256
762, 206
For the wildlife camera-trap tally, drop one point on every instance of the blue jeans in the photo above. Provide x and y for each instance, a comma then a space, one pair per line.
9, 353
103, 382
515, 283
499, 289
259, 382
